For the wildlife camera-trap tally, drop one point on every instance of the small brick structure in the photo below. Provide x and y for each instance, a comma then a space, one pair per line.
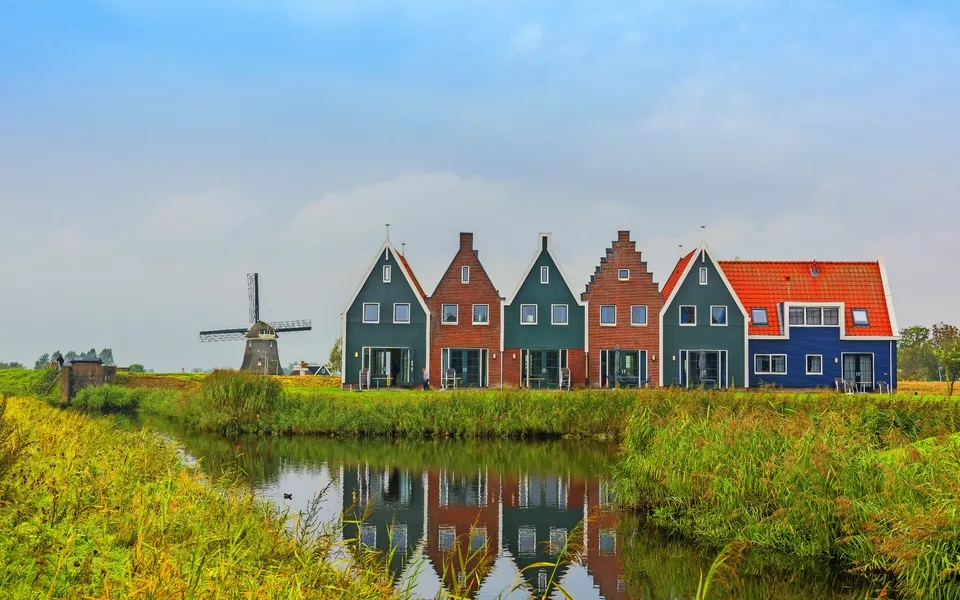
79, 373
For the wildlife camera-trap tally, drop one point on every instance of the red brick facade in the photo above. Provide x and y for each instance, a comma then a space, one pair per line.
606, 288
465, 334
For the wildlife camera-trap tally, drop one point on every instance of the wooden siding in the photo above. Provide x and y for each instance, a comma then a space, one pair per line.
543, 335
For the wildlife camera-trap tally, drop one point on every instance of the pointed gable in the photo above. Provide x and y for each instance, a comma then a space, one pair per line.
677, 274
387, 251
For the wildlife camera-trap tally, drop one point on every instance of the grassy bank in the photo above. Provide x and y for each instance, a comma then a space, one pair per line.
88, 510
832, 477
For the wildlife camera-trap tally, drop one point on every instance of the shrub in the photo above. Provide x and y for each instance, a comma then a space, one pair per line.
233, 401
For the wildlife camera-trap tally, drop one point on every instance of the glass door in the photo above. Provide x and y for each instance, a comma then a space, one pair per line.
702, 369
405, 376
858, 368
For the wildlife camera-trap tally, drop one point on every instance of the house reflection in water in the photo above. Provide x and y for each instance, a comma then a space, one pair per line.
480, 529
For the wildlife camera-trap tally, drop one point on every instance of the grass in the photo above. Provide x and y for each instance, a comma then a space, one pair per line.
89, 510
29, 382
821, 477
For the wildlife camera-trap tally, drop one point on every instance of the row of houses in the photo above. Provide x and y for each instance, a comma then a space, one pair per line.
714, 323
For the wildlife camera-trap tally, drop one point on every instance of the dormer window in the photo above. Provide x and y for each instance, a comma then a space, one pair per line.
387, 272
623, 275
759, 316
544, 275
703, 276
465, 274
860, 317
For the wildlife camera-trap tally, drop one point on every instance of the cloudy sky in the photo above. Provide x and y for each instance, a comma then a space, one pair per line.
152, 152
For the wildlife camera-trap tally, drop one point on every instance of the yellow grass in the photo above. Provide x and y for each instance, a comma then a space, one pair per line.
302, 381
932, 388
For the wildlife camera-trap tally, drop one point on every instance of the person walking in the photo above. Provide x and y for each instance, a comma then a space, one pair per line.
426, 379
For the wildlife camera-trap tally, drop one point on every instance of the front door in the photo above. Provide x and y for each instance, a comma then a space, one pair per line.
703, 368
627, 368
858, 368
541, 368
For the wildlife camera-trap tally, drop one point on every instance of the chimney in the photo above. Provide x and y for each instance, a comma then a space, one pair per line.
623, 236
466, 240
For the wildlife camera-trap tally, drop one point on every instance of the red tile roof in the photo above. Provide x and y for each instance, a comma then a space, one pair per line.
765, 284
674, 278
406, 266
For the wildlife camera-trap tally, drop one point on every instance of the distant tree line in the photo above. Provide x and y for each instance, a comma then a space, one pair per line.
10, 365
106, 355
929, 353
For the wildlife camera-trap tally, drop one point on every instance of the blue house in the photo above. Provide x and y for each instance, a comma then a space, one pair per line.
818, 324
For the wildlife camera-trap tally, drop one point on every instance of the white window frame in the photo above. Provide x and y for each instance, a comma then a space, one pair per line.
815, 309
703, 275
824, 316
409, 313
770, 358
806, 361
766, 316
536, 316
646, 315
821, 308
726, 315
803, 310
473, 315
621, 277
387, 273
544, 274
363, 314
566, 307
680, 315
443, 314
465, 274
866, 317
614, 307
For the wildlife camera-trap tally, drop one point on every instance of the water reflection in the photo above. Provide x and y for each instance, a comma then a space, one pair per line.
475, 517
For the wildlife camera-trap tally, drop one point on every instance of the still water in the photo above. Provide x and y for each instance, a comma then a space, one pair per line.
505, 505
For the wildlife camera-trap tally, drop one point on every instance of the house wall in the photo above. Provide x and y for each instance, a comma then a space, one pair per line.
605, 288
703, 336
826, 342
385, 334
465, 334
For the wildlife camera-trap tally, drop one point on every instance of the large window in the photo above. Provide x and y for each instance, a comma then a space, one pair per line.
544, 274
759, 316
528, 314
371, 312
481, 314
718, 316
401, 313
387, 270
814, 364
638, 315
558, 314
688, 315
815, 316
465, 274
860, 317
770, 364
449, 313
608, 314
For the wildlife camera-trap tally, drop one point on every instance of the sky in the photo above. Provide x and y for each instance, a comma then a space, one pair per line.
153, 152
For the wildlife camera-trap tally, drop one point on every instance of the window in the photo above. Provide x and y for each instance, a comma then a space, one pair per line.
688, 315
465, 274
770, 364
558, 314
371, 313
448, 536
481, 314
386, 273
703, 276
860, 317
608, 315
759, 316
401, 313
831, 316
814, 316
544, 274
528, 314
814, 364
638, 315
449, 314
796, 315
623, 274
718, 316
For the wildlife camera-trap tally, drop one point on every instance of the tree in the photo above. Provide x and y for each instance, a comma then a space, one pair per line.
335, 362
137, 368
41, 362
915, 355
106, 355
70, 355
91, 353
945, 341
10, 365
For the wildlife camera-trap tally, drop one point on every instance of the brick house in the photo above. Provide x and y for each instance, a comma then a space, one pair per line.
624, 304
465, 333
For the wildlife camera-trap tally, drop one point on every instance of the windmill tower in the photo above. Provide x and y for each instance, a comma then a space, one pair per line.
260, 353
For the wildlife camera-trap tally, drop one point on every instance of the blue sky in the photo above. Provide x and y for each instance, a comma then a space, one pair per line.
186, 143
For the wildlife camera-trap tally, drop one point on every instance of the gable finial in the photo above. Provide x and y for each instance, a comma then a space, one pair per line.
403, 249
388, 232
681, 249
703, 234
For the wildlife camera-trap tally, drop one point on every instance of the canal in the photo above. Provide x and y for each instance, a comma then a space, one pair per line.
477, 517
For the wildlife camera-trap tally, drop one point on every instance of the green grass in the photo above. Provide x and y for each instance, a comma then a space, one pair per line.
89, 510
822, 477
28, 382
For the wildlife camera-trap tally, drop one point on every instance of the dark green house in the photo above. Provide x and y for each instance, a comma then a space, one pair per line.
703, 326
385, 326
544, 330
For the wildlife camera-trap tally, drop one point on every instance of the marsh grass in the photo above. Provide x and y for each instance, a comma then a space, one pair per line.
90, 510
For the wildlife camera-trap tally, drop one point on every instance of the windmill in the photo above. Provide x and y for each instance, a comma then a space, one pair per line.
260, 354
